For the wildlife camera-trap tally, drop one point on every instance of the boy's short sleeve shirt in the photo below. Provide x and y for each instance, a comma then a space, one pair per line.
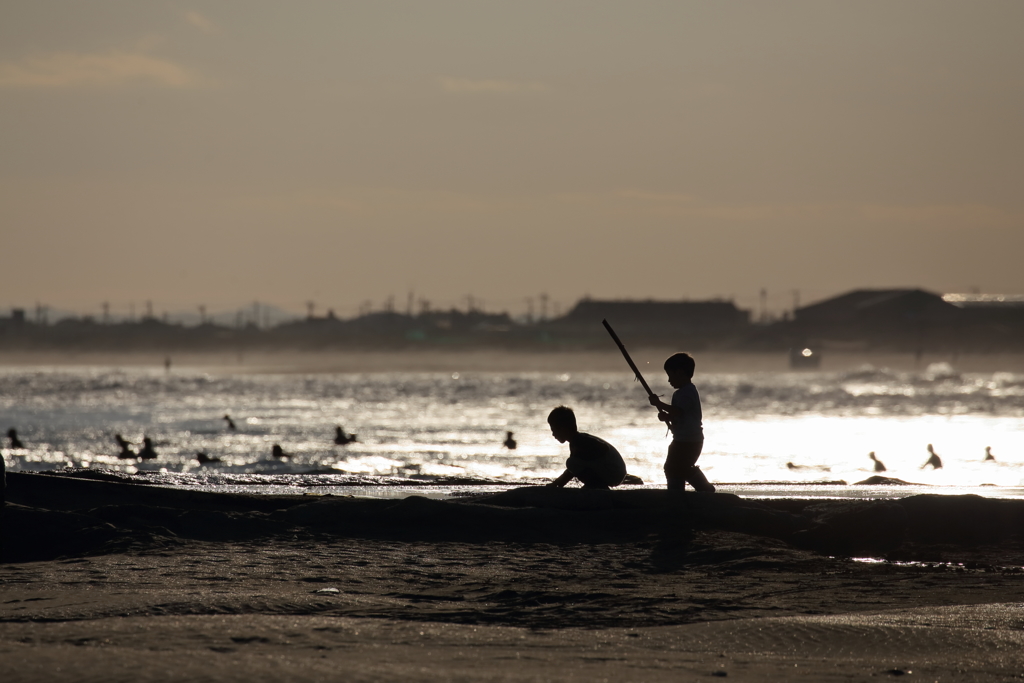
690, 426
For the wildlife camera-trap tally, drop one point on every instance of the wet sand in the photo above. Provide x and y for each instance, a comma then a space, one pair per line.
532, 584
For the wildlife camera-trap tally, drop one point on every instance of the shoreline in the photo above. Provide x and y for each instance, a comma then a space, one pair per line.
480, 360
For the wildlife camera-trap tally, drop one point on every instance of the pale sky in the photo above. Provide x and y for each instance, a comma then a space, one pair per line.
223, 152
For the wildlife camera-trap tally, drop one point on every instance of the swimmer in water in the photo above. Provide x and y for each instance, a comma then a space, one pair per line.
933, 459
12, 434
126, 448
509, 442
278, 452
879, 467
231, 423
147, 452
341, 438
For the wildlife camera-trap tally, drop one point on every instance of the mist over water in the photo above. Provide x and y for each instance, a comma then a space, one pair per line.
433, 425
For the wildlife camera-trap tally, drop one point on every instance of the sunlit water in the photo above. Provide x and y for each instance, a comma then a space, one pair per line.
451, 426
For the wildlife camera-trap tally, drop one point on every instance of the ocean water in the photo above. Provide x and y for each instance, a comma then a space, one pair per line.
448, 428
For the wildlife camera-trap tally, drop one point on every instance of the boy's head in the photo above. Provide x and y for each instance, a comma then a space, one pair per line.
563, 423
680, 367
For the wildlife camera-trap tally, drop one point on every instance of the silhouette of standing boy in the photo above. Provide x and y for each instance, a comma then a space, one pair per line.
683, 416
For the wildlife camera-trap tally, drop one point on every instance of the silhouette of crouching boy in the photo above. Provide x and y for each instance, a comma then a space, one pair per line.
592, 460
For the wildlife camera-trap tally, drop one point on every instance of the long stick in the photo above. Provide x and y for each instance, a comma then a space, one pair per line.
625, 354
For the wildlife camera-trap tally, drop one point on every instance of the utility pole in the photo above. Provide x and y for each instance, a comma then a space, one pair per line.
310, 305
202, 314
764, 305
106, 312
543, 307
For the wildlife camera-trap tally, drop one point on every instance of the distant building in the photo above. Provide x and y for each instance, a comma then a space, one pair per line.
989, 309
876, 308
657, 320
908, 319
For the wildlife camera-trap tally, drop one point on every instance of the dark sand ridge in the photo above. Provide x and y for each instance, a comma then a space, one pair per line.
134, 582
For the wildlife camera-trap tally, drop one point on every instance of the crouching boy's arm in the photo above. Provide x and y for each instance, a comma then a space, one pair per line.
564, 479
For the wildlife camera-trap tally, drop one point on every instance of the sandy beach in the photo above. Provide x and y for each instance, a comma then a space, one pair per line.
531, 584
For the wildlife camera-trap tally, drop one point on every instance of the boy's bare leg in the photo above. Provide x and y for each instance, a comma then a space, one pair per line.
698, 481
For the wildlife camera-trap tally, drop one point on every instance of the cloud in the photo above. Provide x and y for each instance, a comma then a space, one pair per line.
964, 215
685, 206
200, 22
116, 67
366, 202
465, 85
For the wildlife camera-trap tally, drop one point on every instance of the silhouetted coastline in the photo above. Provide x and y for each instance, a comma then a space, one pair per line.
877, 321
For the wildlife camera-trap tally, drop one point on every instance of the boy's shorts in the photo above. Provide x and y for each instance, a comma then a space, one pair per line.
679, 466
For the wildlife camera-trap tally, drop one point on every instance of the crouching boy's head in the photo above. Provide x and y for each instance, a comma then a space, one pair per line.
680, 367
563, 423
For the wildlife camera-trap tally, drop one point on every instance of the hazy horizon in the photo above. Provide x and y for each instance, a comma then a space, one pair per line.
218, 153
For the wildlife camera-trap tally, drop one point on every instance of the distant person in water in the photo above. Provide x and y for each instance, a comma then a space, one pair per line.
126, 448
684, 418
593, 461
341, 438
278, 452
879, 467
509, 442
933, 459
231, 423
205, 459
988, 454
12, 434
147, 452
